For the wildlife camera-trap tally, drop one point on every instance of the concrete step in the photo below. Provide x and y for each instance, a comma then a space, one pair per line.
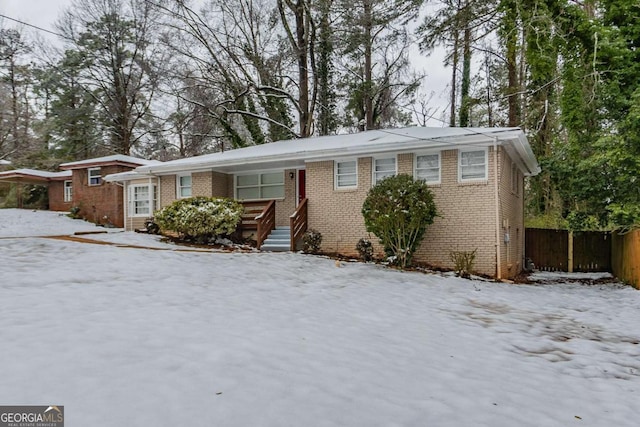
272, 247
278, 241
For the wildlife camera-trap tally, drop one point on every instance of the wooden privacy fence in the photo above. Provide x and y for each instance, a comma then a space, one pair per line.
625, 257
547, 249
559, 250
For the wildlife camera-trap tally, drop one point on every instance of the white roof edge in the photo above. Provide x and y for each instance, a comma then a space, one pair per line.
36, 172
479, 136
526, 152
126, 176
112, 158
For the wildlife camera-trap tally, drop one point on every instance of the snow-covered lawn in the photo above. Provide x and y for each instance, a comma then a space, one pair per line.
136, 337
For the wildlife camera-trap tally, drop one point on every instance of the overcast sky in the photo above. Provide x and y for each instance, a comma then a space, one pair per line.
43, 13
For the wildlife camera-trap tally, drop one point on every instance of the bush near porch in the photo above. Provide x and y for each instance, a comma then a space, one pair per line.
200, 218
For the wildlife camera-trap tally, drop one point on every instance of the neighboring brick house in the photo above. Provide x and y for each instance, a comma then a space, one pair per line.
58, 184
476, 176
99, 201
81, 185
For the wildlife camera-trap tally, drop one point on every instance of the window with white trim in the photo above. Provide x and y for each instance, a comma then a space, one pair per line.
260, 186
472, 165
143, 199
68, 191
383, 167
428, 168
345, 174
183, 183
95, 176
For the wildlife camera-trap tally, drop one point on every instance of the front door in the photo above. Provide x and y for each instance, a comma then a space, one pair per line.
301, 185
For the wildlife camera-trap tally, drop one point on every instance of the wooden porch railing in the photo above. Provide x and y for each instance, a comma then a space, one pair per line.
251, 210
265, 222
298, 223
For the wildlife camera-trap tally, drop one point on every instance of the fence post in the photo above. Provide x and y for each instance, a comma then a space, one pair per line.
570, 254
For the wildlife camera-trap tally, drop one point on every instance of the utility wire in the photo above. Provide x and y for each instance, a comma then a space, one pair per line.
33, 26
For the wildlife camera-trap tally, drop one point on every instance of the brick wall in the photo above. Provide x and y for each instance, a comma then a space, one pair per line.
511, 218
466, 221
167, 190
336, 213
220, 185
101, 204
285, 207
201, 184
56, 197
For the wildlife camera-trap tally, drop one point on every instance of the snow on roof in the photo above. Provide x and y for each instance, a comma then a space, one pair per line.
34, 173
295, 152
116, 158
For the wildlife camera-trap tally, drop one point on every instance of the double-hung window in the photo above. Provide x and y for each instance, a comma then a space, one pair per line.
345, 174
383, 167
260, 186
142, 200
68, 191
428, 168
184, 186
472, 165
95, 176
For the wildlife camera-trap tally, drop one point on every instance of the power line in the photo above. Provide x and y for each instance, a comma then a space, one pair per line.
32, 26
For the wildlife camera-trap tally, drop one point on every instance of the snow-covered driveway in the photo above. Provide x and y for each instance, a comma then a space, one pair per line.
135, 337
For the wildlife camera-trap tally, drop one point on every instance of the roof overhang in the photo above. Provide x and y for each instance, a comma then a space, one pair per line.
113, 160
295, 153
33, 176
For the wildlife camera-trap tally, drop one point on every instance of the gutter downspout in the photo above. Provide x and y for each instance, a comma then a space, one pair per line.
497, 203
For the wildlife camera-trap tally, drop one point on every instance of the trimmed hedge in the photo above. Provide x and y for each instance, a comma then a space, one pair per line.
200, 218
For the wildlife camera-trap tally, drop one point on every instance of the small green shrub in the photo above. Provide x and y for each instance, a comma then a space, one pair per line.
463, 262
365, 249
200, 218
311, 241
74, 212
398, 210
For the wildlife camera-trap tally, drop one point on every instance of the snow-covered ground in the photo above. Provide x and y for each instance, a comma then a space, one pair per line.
136, 337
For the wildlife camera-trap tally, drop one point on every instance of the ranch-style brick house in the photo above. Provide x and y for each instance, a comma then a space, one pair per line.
476, 176
80, 184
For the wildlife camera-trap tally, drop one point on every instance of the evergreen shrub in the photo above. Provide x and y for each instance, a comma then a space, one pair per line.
200, 218
398, 211
365, 249
311, 241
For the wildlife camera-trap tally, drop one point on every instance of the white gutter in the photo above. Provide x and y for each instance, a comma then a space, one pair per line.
497, 203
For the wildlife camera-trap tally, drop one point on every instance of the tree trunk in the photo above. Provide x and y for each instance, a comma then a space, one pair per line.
368, 72
465, 101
